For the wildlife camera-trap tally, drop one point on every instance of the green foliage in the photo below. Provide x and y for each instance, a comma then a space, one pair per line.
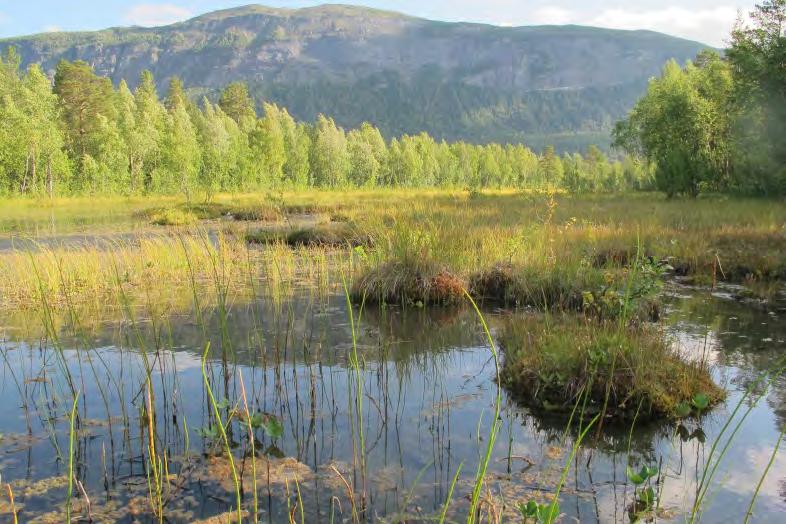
85, 137
540, 513
551, 366
682, 126
270, 424
238, 105
529, 84
756, 56
718, 124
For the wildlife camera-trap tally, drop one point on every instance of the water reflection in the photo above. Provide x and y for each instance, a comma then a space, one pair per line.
427, 395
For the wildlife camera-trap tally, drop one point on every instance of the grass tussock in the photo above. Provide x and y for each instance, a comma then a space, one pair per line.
333, 236
602, 294
551, 365
257, 213
413, 283
191, 213
172, 217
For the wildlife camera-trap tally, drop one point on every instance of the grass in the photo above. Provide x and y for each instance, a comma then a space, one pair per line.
156, 268
550, 365
172, 217
334, 235
709, 238
409, 282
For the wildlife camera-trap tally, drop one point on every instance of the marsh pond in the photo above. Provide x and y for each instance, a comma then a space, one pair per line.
187, 377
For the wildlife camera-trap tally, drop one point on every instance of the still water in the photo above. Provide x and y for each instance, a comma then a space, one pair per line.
427, 401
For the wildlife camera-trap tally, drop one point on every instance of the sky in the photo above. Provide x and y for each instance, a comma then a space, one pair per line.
708, 21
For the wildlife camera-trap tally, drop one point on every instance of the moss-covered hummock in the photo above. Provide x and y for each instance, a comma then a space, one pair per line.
599, 293
549, 364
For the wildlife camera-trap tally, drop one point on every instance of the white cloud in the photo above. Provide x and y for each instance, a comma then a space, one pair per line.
707, 21
711, 25
553, 15
149, 15
52, 29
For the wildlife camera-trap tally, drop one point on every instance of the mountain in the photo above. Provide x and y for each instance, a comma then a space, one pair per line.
563, 85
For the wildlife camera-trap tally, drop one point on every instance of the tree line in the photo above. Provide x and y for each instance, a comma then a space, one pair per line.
719, 123
79, 134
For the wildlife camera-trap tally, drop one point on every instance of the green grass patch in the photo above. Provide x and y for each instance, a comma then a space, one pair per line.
172, 217
550, 365
600, 293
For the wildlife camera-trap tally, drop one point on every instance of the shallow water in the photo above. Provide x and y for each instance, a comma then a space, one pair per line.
428, 394
107, 232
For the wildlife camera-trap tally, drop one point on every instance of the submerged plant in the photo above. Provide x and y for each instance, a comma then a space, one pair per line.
644, 493
540, 513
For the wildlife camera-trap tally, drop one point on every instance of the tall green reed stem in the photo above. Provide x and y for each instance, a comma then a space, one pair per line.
480, 475
223, 432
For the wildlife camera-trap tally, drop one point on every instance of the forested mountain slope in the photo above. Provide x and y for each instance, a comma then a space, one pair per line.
564, 85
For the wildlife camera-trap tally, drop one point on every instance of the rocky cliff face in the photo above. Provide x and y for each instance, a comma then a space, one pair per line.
564, 85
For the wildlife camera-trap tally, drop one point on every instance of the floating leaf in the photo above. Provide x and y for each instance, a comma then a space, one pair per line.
701, 401
548, 513
210, 433
530, 509
682, 410
637, 478
269, 423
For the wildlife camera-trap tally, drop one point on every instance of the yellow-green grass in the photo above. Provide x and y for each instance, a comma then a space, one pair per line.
564, 362
173, 217
158, 271
340, 235
551, 248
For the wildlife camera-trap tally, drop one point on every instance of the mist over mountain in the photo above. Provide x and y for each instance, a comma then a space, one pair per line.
561, 85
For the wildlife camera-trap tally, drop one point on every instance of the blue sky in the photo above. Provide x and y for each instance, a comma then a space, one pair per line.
708, 21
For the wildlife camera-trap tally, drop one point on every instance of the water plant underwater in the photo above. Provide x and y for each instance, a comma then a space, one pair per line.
591, 319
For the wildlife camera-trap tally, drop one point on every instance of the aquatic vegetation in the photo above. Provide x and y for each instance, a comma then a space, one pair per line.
643, 493
413, 282
172, 217
327, 407
550, 366
334, 236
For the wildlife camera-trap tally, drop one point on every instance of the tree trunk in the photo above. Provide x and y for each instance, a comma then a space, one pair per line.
50, 183
33, 181
23, 189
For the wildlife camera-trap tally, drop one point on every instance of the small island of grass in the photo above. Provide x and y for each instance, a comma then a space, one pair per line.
624, 372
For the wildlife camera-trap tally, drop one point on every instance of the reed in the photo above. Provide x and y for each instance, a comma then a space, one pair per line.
222, 431
71, 442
